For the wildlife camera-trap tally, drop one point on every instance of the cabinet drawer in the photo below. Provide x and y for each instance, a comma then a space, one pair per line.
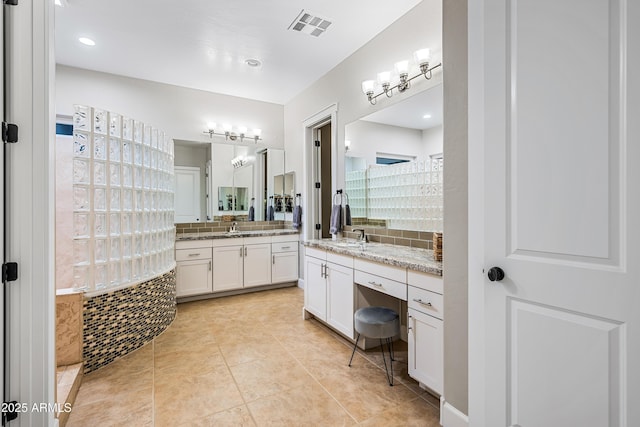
285, 238
381, 284
344, 260
429, 282
316, 253
390, 272
193, 244
193, 254
426, 301
284, 247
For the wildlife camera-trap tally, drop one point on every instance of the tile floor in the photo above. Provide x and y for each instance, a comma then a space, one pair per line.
251, 360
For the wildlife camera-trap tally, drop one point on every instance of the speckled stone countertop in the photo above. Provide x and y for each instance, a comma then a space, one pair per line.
399, 256
226, 235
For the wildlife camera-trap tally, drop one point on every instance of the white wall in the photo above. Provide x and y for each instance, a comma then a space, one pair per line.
181, 112
432, 140
421, 27
368, 138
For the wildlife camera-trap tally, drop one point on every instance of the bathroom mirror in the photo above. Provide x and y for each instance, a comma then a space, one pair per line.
408, 131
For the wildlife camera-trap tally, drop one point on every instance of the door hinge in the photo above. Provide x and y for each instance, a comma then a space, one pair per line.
9, 132
11, 2
318, 227
317, 185
9, 272
316, 143
11, 412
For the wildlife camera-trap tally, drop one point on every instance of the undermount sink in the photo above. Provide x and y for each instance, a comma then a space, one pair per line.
360, 245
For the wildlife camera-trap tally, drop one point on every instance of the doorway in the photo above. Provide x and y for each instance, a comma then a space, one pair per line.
323, 178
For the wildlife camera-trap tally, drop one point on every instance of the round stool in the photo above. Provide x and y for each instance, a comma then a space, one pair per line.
378, 322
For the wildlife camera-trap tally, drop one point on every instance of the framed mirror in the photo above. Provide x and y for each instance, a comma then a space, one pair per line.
389, 160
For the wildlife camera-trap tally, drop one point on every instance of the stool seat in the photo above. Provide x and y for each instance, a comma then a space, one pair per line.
377, 322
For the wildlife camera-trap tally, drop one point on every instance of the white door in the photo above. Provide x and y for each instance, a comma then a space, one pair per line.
555, 203
2, 325
187, 194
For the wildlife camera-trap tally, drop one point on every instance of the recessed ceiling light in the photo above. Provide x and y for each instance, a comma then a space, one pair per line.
87, 41
426, 116
253, 62
61, 3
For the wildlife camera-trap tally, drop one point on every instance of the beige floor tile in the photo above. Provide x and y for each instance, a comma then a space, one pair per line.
409, 414
309, 405
238, 417
266, 377
133, 409
180, 399
251, 360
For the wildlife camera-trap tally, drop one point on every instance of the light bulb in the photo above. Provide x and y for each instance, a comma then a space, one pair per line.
368, 86
242, 129
211, 126
257, 132
402, 67
422, 56
226, 127
384, 77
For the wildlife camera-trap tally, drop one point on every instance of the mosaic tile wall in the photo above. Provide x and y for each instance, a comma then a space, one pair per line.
119, 322
217, 226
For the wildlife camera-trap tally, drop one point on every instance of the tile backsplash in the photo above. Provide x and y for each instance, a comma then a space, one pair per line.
217, 226
381, 234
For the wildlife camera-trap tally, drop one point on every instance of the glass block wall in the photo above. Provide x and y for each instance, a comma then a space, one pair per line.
407, 195
122, 200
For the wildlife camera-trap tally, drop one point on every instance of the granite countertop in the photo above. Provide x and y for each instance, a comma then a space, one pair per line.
226, 235
399, 256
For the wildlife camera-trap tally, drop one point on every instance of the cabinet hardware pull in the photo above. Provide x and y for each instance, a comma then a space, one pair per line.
321, 270
409, 327
379, 285
273, 259
241, 252
198, 254
419, 301
245, 251
209, 265
285, 247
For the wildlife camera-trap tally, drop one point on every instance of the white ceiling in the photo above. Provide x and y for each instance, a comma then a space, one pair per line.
410, 112
202, 44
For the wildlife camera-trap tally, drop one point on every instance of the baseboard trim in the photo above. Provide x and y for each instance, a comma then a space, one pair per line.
450, 416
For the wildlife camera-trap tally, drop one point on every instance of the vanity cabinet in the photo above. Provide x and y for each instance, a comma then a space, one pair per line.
241, 263
193, 270
425, 329
284, 260
329, 289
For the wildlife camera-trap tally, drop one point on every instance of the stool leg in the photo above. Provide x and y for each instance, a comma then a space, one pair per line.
389, 378
354, 349
390, 344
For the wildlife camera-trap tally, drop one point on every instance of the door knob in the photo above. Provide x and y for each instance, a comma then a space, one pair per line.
495, 274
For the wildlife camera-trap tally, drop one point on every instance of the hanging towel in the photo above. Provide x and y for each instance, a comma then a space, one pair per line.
270, 213
297, 216
347, 215
335, 224
252, 214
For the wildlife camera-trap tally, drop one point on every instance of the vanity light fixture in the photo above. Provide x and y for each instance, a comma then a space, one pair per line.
241, 132
421, 58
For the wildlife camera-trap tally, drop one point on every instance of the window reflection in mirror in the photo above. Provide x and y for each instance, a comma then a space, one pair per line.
407, 133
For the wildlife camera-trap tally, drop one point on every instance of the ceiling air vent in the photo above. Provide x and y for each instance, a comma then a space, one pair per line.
307, 22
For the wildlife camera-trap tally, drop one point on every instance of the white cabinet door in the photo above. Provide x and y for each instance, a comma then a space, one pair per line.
315, 288
257, 265
340, 298
227, 267
193, 277
187, 194
425, 349
284, 267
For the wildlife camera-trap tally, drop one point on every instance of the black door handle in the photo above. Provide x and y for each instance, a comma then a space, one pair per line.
495, 274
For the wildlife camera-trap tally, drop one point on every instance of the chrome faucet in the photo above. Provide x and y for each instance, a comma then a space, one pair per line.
362, 237
232, 229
